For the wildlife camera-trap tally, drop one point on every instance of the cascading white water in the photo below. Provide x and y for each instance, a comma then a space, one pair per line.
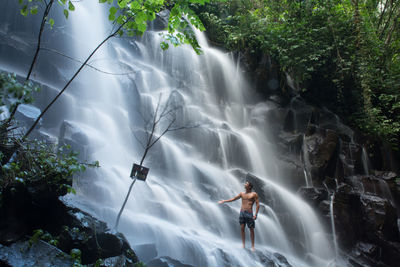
365, 161
175, 213
333, 223
306, 163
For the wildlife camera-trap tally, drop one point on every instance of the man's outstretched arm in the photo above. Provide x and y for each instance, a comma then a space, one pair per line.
230, 200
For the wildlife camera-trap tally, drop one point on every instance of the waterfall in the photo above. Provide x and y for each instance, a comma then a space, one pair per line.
333, 224
306, 162
175, 212
365, 161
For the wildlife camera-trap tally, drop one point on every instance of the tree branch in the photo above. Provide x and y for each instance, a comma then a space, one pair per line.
73, 77
87, 64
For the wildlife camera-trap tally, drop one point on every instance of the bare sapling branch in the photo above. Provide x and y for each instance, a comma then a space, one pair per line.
154, 134
72, 79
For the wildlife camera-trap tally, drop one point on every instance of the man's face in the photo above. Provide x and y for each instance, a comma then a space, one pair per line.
246, 185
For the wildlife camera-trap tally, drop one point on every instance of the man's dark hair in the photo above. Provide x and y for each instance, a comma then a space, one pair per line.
250, 184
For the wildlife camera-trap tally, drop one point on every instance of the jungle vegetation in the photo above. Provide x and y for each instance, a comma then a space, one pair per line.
344, 53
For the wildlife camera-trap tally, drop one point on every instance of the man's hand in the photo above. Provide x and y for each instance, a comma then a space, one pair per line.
221, 201
255, 217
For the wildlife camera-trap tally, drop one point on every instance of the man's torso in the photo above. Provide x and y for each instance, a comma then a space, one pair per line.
248, 200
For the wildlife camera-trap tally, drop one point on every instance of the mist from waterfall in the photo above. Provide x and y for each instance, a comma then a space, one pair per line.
175, 212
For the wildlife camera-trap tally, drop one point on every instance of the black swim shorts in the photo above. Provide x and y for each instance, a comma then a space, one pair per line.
246, 217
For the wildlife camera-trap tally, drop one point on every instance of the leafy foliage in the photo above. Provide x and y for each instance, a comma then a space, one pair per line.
134, 16
39, 234
33, 6
13, 92
344, 54
39, 163
76, 255
34, 162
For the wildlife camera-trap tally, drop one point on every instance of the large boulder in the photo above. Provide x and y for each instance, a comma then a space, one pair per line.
26, 115
31, 254
26, 207
366, 224
379, 218
347, 216
73, 135
319, 152
92, 237
313, 196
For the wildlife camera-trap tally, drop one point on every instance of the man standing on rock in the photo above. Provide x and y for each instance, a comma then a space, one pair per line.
246, 211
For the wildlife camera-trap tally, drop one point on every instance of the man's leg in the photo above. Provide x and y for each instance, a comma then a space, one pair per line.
242, 232
252, 238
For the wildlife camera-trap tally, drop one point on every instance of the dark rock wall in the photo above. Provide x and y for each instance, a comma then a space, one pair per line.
26, 208
350, 176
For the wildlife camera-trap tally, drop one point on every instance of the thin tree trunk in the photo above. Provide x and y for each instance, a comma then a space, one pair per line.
44, 19
123, 205
141, 162
70, 81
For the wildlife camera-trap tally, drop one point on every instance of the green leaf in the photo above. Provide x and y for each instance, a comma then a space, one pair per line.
122, 3
135, 5
51, 22
66, 13
113, 10
34, 10
164, 45
142, 27
71, 6
24, 11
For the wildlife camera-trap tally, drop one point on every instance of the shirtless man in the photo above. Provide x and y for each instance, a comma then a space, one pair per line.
246, 211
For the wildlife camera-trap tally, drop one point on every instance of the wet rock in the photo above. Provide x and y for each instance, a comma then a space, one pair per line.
379, 218
268, 258
330, 184
393, 184
367, 249
92, 237
146, 251
161, 21
26, 115
116, 261
291, 172
71, 134
369, 224
390, 251
24, 254
45, 137
320, 147
382, 254
313, 195
281, 260
29, 207
324, 208
365, 255
348, 217
166, 262
292, 142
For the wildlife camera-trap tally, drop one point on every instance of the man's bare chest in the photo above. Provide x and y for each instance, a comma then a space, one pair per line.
248, 197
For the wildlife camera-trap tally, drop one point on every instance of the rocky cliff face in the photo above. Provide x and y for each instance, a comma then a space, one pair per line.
39, 229
348, 178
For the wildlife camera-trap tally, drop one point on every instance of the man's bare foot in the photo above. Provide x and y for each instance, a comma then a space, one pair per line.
253, 249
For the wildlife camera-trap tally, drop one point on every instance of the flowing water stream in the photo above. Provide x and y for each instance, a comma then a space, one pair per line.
175, 212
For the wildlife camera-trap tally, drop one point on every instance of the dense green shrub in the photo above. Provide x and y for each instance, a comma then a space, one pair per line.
344, 54
31, 162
